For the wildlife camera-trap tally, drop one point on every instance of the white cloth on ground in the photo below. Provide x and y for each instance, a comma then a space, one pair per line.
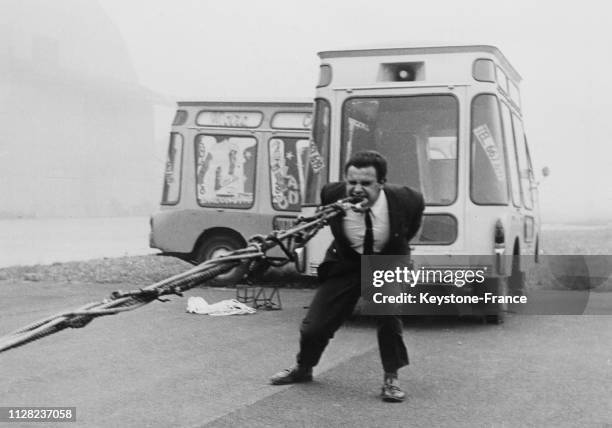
198, 305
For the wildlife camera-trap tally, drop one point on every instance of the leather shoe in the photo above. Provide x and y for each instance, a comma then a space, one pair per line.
295, 374
392, 392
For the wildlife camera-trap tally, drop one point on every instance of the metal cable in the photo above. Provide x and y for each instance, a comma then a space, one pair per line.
128, 301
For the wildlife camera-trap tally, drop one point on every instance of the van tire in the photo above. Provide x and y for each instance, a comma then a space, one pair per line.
215, 246
517, 279
493, 313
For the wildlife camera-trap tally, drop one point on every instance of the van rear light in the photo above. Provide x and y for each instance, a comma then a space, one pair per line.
500, 238
151, 238
300, 259
500, 247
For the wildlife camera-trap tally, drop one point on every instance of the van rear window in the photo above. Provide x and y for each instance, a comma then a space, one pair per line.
225, 171
316, 174
289, 159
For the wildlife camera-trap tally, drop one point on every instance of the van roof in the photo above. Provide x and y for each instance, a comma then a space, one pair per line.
407, 49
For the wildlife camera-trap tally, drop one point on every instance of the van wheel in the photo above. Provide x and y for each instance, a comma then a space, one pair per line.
516, 281
216, 246
494, 313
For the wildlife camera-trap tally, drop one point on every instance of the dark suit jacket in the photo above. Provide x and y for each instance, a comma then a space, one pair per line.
405, 213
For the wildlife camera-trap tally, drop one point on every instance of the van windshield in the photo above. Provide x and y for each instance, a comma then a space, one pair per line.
416, 134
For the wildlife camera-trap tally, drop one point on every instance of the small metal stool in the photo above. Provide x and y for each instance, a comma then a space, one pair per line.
261, 297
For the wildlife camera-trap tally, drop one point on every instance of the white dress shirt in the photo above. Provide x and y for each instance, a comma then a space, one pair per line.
354, 225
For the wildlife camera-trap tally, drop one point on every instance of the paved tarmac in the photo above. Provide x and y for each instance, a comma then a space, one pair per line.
160, 367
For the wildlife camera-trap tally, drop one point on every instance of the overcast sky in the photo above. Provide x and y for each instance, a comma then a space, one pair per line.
202, 49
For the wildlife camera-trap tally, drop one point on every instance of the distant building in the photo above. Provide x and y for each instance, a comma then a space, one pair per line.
76, 127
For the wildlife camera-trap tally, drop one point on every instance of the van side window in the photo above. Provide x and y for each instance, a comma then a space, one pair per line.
225, 170
488, 182
172, 175
511, 155
525, 171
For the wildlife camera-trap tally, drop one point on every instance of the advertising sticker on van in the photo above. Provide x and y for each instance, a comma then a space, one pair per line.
484, 136
316, 160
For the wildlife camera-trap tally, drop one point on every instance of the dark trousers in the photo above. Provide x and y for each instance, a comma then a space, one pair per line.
332, 304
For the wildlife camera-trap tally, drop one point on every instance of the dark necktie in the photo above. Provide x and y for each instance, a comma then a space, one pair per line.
368, 239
